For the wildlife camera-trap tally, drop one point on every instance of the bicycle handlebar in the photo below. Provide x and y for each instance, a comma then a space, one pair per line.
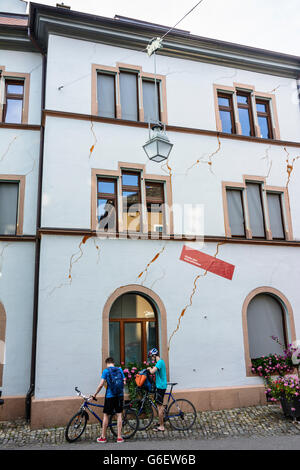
88, 398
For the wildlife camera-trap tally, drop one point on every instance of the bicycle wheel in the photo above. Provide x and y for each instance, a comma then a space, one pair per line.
76, 426
145, 414
182, 414
130, 423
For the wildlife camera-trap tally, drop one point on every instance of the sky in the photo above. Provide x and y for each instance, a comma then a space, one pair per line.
266, 24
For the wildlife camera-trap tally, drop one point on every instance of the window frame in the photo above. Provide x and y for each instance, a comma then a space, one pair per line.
103, 72
153, 200
267, 114
142, 321
240, 88
101, 195
141, 75
240, 190
15, 77
289, 318
247, 106
132, 168
264, 190
20, 180
222, 94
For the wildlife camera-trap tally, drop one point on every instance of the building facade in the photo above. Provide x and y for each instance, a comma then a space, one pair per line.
96, 239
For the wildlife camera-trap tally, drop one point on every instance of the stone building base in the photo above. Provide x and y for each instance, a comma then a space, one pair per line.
58, 411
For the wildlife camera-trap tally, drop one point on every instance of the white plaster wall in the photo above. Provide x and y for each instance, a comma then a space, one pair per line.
68, 164
27, 62
16, 295
13, 6
190, 98
205, 352
19, 155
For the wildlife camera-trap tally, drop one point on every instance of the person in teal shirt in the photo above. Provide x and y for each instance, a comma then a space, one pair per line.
161, 384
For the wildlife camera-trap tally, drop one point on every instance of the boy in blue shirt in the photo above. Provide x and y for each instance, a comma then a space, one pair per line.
113, 403
161, 384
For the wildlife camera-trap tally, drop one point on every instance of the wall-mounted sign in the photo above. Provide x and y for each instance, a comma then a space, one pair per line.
207, 262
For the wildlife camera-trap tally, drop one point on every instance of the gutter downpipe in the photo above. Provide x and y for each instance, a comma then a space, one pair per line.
30, 392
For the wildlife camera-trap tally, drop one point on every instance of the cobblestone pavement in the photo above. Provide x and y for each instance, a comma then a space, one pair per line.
254, 421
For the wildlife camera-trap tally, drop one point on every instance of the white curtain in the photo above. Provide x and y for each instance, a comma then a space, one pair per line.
275, 215
106, 95
8, 208
255, 209
129, 96
265, 319
236, 213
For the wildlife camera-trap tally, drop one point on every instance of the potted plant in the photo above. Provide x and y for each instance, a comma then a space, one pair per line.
287, 391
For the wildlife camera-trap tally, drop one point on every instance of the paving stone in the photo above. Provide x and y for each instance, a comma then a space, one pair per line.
267, 420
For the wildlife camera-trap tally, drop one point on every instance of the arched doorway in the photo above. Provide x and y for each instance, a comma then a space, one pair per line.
148, 310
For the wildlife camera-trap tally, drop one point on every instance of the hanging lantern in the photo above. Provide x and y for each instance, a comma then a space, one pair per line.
158, 147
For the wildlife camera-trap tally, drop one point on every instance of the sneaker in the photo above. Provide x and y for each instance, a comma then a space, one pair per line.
120, 439
103, 440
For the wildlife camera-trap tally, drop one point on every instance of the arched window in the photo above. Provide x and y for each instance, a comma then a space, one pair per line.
265, 318
132, 328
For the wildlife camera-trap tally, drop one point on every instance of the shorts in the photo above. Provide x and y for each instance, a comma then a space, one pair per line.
113, 405
159, 395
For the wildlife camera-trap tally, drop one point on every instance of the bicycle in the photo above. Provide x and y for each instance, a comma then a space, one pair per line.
180, 412
78, 422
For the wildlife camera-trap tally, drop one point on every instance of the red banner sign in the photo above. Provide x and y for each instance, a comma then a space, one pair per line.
207, 262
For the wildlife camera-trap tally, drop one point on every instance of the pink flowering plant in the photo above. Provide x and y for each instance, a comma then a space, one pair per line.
287, 387
130, 370
275, 364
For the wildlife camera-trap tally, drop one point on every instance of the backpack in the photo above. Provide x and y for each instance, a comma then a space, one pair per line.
115, 381
145, 380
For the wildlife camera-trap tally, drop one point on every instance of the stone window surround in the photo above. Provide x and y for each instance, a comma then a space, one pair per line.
20, 210
271, 98
141, 75
25, 77
288, 319
286, 212
144, 177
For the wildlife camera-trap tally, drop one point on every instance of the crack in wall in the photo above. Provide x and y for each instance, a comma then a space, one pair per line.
289, 166
159, 278
95, 138
8, 148
209, 160
74, 259
268, 159
193, 292
148, 265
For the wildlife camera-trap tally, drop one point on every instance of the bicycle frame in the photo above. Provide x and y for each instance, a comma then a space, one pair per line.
169, 402
85, 405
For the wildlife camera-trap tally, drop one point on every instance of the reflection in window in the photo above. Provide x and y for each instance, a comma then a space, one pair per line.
107, 204
226, 112
264, 118
245, 113
155, 206
131, 196
133, 328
